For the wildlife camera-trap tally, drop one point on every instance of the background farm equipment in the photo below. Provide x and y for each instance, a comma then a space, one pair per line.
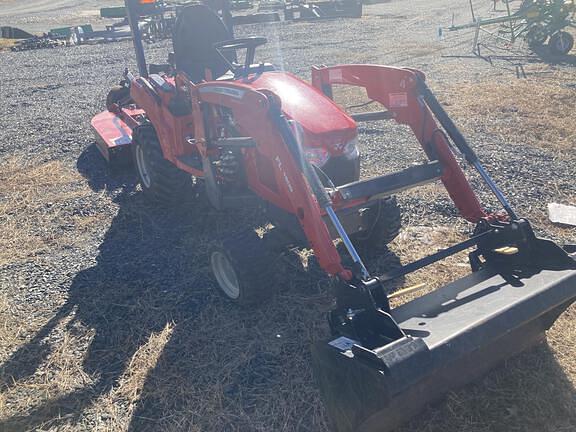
255, 18
248, 134
241, 4
58, 37
311, 10
14, 33
271, 5
535, 21
153, 27
38, 42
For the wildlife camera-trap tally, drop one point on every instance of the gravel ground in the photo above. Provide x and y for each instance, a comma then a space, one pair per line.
113, 325
38, 16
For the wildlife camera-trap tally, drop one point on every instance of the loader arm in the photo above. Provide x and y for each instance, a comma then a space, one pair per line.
256, 114
397, 90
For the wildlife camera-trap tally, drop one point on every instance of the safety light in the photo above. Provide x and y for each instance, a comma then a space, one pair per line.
143, 7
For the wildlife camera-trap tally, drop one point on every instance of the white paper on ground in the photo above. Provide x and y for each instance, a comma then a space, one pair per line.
562, 214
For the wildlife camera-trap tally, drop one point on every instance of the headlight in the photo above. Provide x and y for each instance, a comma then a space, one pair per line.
317, 156
350, 150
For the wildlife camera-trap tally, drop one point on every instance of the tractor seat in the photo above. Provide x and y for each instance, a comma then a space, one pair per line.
196, 31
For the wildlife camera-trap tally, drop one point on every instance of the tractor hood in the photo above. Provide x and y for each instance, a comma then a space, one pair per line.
322, 122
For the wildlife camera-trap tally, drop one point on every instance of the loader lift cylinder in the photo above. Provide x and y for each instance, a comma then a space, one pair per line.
319, 191
347, 242
462, 144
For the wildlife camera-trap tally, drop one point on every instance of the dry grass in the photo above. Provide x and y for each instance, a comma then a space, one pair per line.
415, 242
7, 43
534, 111
11, 327
353, 99
32, 199
539, 218
118, 406
225, 369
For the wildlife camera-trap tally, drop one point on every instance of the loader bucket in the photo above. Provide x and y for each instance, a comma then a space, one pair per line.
451, 337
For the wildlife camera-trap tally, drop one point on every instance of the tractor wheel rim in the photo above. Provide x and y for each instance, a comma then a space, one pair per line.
142, 167
562, 43
225, 274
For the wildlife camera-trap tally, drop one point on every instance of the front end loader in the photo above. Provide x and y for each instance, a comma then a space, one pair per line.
249, 134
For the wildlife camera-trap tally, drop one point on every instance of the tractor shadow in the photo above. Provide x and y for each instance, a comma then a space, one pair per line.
151, 272
140, 268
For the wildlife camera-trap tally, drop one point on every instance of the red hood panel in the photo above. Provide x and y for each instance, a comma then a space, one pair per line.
325, 123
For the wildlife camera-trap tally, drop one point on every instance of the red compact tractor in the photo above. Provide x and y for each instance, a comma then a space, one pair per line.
249, 133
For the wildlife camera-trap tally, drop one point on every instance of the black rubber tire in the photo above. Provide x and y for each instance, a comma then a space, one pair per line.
253, 265
561, 43
166, 183
386, 227
383, 262
116, 95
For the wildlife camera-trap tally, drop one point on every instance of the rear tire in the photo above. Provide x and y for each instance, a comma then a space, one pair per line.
243, 268
561, 43
385, 229
161, 181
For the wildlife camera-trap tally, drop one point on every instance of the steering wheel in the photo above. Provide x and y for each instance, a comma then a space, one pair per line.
249, 43
236, 44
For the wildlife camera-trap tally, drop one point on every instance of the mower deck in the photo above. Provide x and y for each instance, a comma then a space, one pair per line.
452, 336
113, 133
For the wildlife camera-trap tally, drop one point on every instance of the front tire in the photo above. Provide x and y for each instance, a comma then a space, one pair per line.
161, 181
243, 268
386, 227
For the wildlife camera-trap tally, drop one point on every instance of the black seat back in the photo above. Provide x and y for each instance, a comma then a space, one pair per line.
196, 31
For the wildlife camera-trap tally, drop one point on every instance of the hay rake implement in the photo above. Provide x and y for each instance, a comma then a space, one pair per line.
536, 21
